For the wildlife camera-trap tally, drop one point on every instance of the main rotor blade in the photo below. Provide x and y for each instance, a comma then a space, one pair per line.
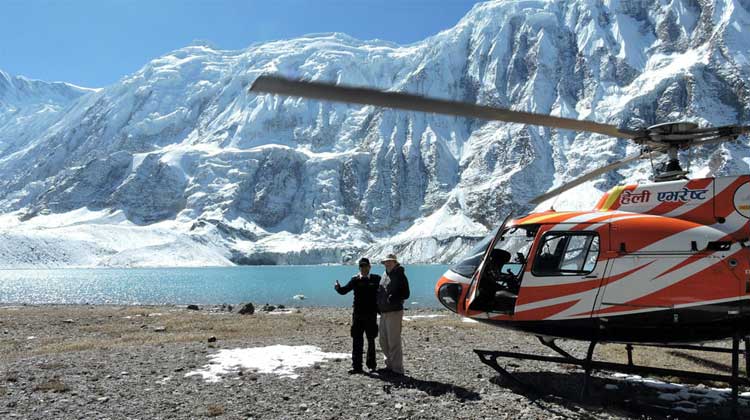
723, 130
591, 175
728, 133
713, 141
366, 96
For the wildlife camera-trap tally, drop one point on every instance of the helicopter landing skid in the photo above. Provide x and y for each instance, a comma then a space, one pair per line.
489, 358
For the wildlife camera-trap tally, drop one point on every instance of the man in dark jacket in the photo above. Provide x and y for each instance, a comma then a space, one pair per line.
393, 290
364, 318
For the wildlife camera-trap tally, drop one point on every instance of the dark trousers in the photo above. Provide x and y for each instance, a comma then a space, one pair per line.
368, 325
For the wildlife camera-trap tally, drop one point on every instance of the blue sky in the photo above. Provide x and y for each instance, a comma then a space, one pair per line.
96, 42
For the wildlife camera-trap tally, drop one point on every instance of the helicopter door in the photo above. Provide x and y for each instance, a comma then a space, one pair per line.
565, 274
474, 300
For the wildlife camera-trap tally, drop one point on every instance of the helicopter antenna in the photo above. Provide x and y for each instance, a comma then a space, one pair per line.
552, 206
653, 168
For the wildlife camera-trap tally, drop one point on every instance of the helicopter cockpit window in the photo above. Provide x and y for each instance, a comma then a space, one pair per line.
500, 280
566, 253
469, 263
516, 241
514, 245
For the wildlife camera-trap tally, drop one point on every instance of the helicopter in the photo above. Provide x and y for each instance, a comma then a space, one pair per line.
665, 263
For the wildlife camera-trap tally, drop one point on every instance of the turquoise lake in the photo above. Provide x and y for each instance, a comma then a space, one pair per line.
147, 286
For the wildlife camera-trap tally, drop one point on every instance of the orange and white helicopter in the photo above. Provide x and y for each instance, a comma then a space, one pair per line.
661, 263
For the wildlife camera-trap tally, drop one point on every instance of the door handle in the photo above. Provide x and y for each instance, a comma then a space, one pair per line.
592, 276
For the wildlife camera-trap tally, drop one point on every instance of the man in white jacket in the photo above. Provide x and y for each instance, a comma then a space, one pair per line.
393, 291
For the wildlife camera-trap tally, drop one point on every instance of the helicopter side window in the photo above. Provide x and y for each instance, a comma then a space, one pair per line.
566, 253
592, 256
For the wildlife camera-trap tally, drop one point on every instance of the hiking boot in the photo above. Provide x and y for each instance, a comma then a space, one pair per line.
356, 371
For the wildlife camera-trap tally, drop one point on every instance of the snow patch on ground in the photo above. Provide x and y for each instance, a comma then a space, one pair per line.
413, 317
279, 360
281, 312
683, 394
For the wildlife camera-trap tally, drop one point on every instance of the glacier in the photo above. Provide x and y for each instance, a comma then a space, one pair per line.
179, 165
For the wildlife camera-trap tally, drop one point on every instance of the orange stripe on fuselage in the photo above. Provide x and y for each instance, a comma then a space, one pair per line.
588, 223
694, 258
544, 312
640, 232
530, 294
550, 217
691, 259
695, 288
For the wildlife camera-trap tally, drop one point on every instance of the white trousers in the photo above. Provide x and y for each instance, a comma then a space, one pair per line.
390, 340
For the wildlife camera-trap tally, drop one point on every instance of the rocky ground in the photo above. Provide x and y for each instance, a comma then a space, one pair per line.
72, 362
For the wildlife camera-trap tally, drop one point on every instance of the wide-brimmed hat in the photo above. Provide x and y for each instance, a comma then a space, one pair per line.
389, 257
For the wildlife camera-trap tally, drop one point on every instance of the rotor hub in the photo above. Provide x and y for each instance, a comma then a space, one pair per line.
672, 127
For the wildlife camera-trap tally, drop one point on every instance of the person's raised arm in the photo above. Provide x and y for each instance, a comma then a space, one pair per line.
343, 289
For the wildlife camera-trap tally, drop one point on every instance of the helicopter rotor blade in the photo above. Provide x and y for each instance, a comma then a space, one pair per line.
713, 141
592, 174
723, 130
366, 96
723, 134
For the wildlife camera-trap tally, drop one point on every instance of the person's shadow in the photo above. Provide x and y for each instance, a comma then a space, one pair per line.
431, 388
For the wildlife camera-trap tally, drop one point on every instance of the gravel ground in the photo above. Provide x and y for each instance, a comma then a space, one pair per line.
96, 362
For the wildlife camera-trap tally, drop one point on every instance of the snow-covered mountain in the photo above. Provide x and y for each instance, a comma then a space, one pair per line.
28, 107
178, 164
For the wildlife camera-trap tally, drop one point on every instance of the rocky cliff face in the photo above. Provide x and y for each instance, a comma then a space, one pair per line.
267, 179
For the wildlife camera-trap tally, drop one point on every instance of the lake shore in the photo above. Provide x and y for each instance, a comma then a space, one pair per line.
91, 361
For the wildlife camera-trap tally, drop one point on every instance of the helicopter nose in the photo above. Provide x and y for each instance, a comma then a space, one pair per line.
451, 291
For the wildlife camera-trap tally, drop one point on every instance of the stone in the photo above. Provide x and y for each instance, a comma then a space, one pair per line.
212, 339
193, 307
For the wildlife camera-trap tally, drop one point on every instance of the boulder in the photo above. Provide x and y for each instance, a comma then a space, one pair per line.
247, 309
